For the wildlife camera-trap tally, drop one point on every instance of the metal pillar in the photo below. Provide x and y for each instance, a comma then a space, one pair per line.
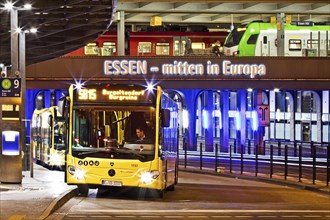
280, 33
11, 109
121, 33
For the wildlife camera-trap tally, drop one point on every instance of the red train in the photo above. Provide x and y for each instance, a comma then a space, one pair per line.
162, 43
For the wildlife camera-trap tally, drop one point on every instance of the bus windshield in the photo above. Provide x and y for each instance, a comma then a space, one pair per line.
235, 37
118, 133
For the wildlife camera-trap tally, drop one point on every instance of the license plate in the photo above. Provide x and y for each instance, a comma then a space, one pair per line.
111, 183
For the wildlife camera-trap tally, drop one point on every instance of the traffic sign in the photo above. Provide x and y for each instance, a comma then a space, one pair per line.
263, 115
10, 87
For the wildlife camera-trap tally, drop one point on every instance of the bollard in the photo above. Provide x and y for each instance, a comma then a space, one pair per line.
257, 152
200, 156
242, 158
230, 161
285, 162
279, 148
300, 163
216, 157
328, 164
185, 154
271, 161
314, 161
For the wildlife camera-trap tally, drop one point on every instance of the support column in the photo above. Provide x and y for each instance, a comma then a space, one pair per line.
224, 132
209, 119
241, 105
121, 33
22, 73
280, 18
190, 134
259, 134
11, 134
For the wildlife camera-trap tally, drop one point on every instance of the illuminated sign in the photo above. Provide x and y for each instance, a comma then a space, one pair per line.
113, 94
10, 87
10, 112
183, 68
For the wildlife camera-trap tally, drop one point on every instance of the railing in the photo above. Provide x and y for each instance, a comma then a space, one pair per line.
294, 161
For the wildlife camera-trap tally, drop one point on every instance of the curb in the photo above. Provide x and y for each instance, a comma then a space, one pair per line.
262, 179
57, 203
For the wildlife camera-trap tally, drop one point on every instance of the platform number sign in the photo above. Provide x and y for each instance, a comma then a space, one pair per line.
263, 115
10, 87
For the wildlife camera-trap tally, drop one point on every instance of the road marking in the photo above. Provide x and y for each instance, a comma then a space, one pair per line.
16, 217
312, 216
201, 211
266, 216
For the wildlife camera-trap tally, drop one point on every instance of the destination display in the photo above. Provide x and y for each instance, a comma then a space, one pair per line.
10, 87
116, 95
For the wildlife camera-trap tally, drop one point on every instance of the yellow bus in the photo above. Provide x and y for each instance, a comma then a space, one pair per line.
47, 140
104, 149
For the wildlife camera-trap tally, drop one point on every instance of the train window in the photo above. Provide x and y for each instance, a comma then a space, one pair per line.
253, 39
144, 47
312, 43
198, 45
294, 44
162, 48
108, 49
91, 49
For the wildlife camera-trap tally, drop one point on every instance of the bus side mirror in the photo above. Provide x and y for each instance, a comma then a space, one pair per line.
50, 120
61, 105
165, 115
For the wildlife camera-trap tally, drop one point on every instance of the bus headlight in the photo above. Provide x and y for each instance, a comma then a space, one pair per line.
76, 172
56, 159
148, 177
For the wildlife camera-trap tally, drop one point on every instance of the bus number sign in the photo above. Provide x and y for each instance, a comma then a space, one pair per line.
10, 87
112, 95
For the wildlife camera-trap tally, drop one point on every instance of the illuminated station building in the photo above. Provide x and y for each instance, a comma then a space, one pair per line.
223, 101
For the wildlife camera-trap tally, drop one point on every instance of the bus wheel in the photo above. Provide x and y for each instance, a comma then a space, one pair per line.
83, 189
171, 187
160, 193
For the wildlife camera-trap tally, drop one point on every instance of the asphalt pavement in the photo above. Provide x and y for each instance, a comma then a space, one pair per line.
35, 198
39, 196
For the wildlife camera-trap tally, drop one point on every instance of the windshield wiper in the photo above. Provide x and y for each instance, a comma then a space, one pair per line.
130, 151
121, 119
113, 150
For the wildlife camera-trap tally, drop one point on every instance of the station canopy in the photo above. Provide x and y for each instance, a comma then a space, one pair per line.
66, 25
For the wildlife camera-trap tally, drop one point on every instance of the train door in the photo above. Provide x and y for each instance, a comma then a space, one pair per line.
266, 44
306, 132
179, 44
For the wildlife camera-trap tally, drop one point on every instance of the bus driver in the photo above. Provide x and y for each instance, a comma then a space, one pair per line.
140, 134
